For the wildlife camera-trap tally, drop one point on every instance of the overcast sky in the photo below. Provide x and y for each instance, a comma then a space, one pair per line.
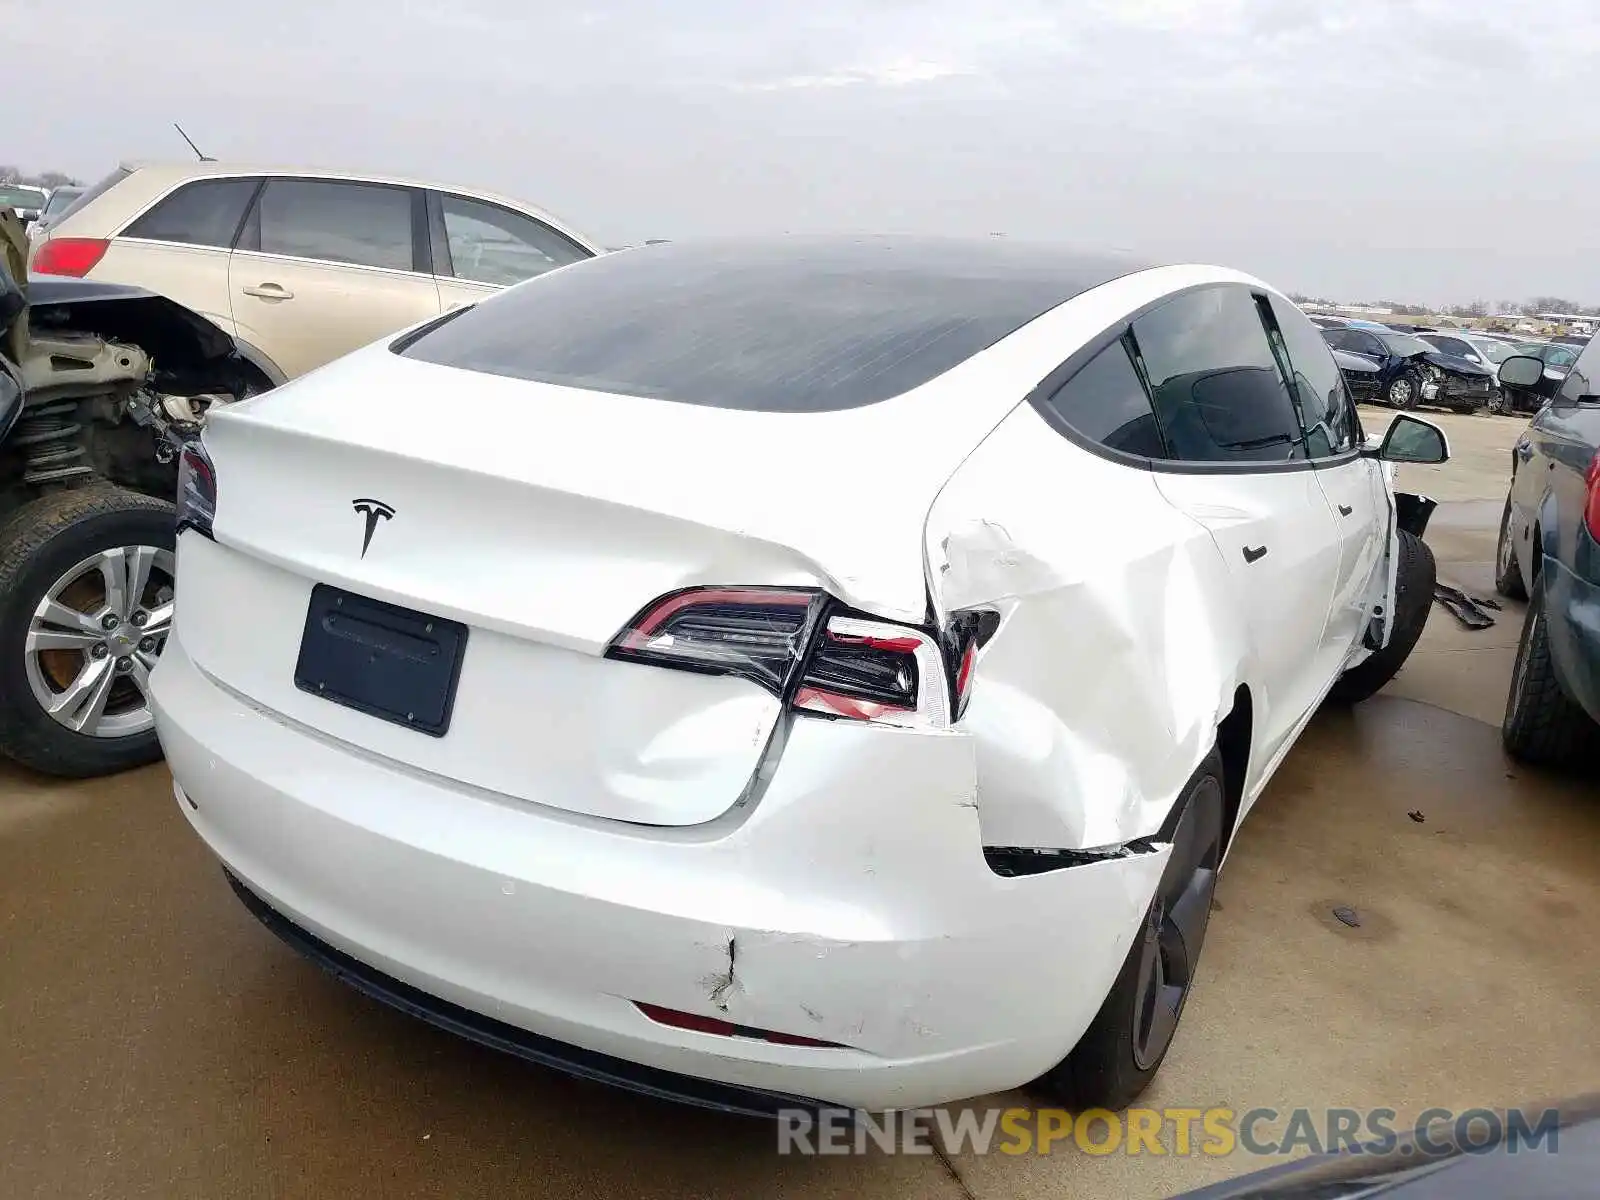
1430, 150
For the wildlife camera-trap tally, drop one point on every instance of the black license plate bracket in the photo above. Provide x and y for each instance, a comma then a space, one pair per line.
393, 663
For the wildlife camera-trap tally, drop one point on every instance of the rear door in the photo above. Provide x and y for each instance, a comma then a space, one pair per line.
480, 247
180, 245
1351, 482
1244, 474
324, 266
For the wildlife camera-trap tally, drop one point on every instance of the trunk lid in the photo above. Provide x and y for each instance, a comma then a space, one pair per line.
543, 518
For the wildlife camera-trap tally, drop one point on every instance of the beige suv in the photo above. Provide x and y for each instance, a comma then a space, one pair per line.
302, 266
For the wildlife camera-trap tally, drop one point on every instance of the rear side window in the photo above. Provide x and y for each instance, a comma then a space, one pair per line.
1215, 383
367, 224
206, 212
1105, 401
493, 245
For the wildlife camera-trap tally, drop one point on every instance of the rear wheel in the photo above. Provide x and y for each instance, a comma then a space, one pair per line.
1415, 577
86, 589
1507, 574
1542, 725
1122, 1050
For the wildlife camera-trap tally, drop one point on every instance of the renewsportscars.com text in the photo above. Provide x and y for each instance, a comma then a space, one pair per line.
1212, 1132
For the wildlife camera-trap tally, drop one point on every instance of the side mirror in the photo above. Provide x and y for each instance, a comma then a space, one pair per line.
1523, 371
1413, 440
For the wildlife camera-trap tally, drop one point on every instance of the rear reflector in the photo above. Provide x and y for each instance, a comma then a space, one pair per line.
698, 1024
68, 256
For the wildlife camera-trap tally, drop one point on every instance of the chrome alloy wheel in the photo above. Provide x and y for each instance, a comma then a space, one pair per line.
96, 635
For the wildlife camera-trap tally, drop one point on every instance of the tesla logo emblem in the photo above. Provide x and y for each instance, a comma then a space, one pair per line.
373, 511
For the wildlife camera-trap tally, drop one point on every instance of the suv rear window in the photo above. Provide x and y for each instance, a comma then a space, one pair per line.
206, 212
785, 325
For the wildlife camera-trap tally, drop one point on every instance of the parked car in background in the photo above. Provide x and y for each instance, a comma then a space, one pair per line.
783, 825
99, 382
1485, 352
1362, 376
1484, 1158
25, 199
1412, 372
61, 199
1549, 555
1326, 322
1556, 356
301, 265
1556, 359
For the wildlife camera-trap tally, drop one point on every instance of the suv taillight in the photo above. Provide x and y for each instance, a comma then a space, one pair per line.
807, 649
197, 489
68, 256
1591, 510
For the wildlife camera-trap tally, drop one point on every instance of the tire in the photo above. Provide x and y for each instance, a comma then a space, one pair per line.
1404, 391
1507, 574
1123, 1048
1415, 577
1542, 725
82, 549
1497, 403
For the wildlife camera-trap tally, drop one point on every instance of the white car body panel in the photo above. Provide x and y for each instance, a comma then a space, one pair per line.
608, 832
1064, 755
890, 940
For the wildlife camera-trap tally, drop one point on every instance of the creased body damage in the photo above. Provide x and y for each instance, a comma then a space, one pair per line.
1112, 665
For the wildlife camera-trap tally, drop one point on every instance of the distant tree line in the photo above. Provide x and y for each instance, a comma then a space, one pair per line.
1478, 308
44, 179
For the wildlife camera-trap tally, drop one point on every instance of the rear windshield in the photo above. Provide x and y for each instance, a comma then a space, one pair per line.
60, 199
786, 325
99, 188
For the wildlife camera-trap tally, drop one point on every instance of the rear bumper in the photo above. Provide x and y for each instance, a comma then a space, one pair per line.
852, 904
508, 1038
1572, 608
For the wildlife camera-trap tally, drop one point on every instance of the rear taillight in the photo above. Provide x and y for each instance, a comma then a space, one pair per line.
875, 671
1591, 510
757, 633
68, 256
805, 648
197, 489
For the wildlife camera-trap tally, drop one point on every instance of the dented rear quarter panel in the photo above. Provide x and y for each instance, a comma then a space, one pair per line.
1118, 652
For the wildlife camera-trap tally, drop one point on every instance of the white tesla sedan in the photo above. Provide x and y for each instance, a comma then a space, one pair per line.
819, 668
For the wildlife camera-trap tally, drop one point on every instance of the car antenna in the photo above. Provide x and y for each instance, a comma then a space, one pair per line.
192, 146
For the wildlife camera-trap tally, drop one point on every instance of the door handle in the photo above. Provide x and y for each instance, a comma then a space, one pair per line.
269, 291
1254, 553
1345, 510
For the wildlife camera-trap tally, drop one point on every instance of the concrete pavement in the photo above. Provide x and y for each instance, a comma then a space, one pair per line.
156, 1042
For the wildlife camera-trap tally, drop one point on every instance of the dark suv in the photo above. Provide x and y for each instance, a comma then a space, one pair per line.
1549, 554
